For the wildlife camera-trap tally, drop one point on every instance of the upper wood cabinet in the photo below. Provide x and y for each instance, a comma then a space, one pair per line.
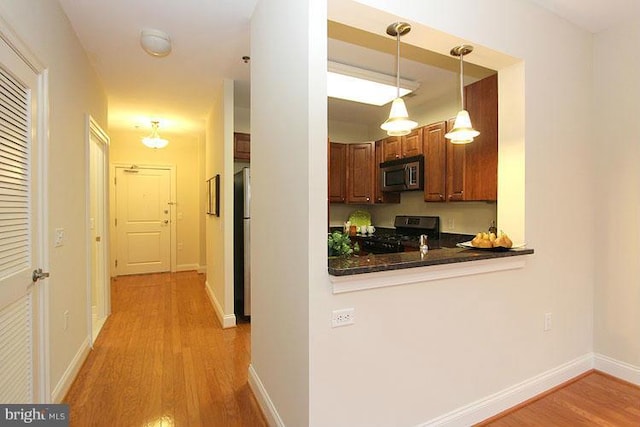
412, 143
379, 195
435, 161
396, 147
472, 169
241, 146
337, 172
360, 159
455, 168
391, 148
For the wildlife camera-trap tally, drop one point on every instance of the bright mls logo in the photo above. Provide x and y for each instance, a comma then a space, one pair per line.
34, 415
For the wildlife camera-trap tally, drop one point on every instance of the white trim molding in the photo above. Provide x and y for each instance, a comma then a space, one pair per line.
226, 320
496, 403
616, 368
187, 267
264, 401
359, 282
71, 372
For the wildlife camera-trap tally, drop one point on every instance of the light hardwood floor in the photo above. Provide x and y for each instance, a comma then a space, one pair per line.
595, 399
162, 360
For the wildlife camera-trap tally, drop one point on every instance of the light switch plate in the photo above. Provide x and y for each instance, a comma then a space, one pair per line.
59, 237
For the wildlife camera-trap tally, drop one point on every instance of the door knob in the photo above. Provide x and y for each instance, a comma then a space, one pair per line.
166, 221
38, 274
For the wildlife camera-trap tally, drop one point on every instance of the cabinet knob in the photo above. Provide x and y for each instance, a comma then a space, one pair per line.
441, 196
368, 199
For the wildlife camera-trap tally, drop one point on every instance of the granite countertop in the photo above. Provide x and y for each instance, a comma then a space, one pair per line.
397, 261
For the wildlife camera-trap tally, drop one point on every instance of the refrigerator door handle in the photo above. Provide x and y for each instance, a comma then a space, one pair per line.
247, 266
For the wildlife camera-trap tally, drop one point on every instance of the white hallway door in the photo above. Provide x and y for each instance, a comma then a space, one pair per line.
143, 220
21, 248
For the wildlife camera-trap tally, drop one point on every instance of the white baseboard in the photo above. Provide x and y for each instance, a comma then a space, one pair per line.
202, 269
187, 267
616, 368
226, 320
70, 373
268, 408
511, 396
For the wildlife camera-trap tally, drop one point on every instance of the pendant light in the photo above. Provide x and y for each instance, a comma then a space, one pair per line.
462, 132
398, 123
154, 140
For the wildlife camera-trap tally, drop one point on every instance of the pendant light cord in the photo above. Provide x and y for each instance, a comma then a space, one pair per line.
398, 61
461, 81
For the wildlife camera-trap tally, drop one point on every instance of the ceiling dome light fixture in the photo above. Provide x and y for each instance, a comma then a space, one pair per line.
398, 123
155, 42
154, 140
462, 132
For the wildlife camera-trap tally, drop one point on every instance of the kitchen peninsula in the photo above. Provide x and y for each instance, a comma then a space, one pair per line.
342, 266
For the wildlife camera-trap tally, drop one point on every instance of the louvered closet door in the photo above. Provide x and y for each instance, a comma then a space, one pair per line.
18, 228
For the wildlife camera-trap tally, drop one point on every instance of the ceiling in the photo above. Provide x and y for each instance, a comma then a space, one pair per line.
209, 39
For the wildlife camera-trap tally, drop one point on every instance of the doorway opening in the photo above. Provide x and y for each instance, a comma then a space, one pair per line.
99, 291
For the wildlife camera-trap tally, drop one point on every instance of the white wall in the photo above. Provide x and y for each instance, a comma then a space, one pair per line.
419, 351
289, 193
219, 230
74, 91
617, 296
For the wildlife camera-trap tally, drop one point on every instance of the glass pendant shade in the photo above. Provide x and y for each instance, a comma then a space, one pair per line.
398, 123
154, 140
462, 132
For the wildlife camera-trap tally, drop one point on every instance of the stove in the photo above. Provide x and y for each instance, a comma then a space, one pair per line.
405, 236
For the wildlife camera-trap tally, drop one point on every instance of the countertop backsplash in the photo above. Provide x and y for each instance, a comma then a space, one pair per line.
455, 217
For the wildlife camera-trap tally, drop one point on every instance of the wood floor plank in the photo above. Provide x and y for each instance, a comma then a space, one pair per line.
595, 399
163, 360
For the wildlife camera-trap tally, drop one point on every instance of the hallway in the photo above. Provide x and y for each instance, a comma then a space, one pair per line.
162, 360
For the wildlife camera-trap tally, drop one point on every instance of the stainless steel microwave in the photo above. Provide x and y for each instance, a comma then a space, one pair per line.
402, 174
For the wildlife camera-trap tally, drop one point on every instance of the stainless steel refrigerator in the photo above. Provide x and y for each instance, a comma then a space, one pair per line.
241, 244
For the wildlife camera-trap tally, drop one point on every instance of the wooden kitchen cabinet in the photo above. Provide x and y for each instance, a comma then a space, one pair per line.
379, 195
435, 160
360, 173
455, 168
472, 169
391, 148
396, 147
337, 172
241, 146
411, 144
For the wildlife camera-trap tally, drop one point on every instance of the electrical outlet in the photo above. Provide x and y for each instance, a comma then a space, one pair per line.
451, 224
343, 317
547, 322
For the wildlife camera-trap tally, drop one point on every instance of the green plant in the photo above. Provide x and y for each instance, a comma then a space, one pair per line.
340, 245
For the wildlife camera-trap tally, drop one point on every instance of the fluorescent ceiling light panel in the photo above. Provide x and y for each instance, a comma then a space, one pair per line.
368, 87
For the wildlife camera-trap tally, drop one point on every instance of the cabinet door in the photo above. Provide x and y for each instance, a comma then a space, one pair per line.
337, 172
412, 143
435, 179
481, 174
455, 168
379, 195
391, 148
241, 146
360, 172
